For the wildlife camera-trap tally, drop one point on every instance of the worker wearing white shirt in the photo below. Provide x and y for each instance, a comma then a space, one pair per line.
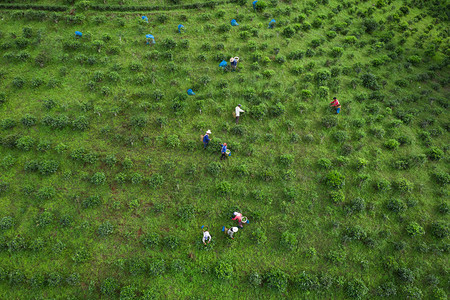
206, 235
238, 111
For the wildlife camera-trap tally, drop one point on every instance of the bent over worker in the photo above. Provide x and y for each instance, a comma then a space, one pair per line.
238, 111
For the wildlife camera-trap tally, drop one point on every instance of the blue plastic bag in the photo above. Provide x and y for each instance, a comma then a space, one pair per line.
234, 23
78, 34
150, 38
271, 24
145, 18
223, 64
190, 92
254, 4
180, 27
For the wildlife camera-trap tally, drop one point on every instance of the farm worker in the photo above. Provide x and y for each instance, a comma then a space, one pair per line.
234, 23
206, 139
234, 61
238, 111
206, 235
335, 103
238, 217
145, 19
230, 231
180, 28
254, 4
190, 92
272, 24
78, 34
224, 151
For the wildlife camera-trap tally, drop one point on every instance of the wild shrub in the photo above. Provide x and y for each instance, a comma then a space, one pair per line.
105, 229
277, 280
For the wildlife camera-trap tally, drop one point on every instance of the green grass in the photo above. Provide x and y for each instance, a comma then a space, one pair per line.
287, 201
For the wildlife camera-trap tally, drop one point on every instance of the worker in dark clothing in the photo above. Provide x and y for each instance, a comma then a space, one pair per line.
224, 151
206, 139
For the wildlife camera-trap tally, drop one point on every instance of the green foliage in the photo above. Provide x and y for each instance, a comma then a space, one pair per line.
334, 179
277, 280
6, 223
356, 289
391, 144
289, 241
105, 229
337, 196
434, 153
171, 242
109, 286
223, 270
396, 205
98, 178
414, 229
440, 229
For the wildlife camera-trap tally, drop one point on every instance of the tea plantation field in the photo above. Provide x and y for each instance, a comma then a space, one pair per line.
104, 182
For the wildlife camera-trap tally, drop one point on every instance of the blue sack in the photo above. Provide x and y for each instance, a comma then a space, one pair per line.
234, 23
254, 4
338, 110
145, 18
78, 34
271, 24
180, 27
150, 38
223, 64
190, 92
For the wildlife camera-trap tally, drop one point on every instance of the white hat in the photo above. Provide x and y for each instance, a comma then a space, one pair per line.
208, 132
236, 58
231, 59
235, 213
234, 229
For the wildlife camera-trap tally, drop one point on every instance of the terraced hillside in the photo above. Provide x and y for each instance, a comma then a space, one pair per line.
104, 183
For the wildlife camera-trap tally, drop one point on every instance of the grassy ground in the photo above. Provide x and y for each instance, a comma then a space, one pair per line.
67, 231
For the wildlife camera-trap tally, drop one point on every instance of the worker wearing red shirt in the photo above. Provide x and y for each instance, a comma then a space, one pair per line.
336, 104
238, 217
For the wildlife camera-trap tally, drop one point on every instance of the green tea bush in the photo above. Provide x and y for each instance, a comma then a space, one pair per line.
324, 163
156, 180
45, 193
6, 124
288, 32
403, 185
334, 179
223, 270
306, 282
387, 289
337, 196
277, 280
109, 286
340, 136
289, 241
356, 289
434, 153
173, 141
37, 281
186, 212
105, 229
6, 223
405, 275
98, 178
441, 178
337, 52
440, 229
414, 229
54, 279
391, 144
259, 236
357, 205
16, 277
44, 219
91, 201
171, 242
223, 188
396, 205
255, 279
157, 267
25, 143
214, 168
286, 160
329, 121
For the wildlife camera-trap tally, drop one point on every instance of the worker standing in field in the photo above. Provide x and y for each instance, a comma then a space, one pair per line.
238, 111
238, 216
224, 151
206, 139
206, 235
234, 61
230, 231
335, 103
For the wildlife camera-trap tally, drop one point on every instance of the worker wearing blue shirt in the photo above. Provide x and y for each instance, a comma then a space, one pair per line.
206, 139
224, 151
